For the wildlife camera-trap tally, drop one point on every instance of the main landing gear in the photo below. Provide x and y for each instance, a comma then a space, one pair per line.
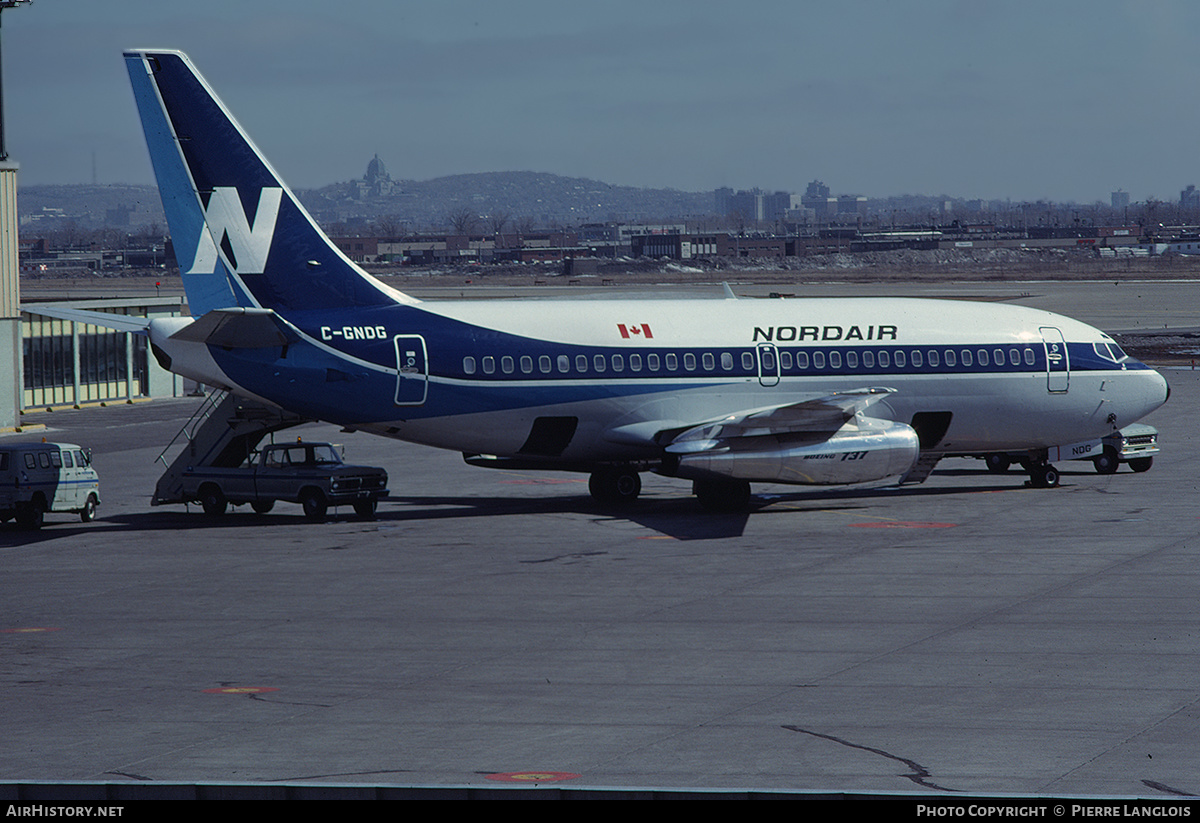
616, 485
1042, 475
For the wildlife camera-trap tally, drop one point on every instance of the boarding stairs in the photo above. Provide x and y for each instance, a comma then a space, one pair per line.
922, 468
223, 432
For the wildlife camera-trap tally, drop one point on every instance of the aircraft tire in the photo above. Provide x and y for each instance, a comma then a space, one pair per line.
997, 462
212, 500
315, 505
88, 513
1141, 464
1108, 462
722, 495
621, 486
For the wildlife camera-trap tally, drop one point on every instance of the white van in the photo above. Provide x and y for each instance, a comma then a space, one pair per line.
36, 478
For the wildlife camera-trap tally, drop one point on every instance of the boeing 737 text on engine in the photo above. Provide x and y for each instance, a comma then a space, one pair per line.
722, 392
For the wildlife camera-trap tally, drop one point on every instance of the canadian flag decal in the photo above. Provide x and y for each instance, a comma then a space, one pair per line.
635, 331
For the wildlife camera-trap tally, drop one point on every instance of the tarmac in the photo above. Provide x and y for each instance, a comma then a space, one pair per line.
493, 629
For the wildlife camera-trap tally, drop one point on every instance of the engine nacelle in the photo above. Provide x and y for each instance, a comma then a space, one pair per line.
857, 453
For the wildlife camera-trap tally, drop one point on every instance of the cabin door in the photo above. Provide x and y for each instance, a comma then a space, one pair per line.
412, 370
768, 364
1058, 364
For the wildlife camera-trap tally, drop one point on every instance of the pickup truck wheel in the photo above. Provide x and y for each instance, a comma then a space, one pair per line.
212, 500
314, 504
88, 513
1141, 464
262, 506
365, 509
1108, 462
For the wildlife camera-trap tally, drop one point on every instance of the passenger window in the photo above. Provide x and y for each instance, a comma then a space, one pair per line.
469, 365
581, 363
489, 365
869, 359
998, 356
802, 360
835, 360
506, 364
916, 359
708, 361
598, 362
544, 364
933, 359
652, 362
564, 363
526, 364
785, 360
1030, 357
1014, 357
747, 361
635, 362
672, 362
852, 359
689, 361
983, 357
618, 362
899, 359
966, 357
951, 358
726, 361
818, 360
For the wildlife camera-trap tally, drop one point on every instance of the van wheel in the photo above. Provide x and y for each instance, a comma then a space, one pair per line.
1141, 464
212, 500
365, 509
88, 513
33, 515
262, 506
314, 505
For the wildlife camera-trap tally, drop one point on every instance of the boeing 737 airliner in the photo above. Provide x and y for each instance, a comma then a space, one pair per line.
719, 392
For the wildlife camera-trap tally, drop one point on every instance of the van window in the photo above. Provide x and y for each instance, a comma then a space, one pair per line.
30, 462
80, 460
66, 457
56, 460
3, 461
44, 457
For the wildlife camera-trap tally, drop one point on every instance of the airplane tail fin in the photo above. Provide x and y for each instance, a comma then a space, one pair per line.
241, 237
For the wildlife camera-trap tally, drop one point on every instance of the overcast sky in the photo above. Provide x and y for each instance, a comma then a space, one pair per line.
1020, 99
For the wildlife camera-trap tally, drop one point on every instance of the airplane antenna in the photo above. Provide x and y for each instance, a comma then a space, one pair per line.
729, 295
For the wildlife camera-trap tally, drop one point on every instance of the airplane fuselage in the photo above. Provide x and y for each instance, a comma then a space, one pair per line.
475, 376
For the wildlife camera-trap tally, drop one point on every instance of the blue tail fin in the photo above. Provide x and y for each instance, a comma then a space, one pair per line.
240, 235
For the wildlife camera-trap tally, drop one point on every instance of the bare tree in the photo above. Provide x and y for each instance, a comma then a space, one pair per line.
464, 221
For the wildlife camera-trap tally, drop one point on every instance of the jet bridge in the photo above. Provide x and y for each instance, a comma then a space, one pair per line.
223, 432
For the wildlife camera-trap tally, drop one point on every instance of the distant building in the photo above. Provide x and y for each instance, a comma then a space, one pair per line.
1189, 198
1120, 199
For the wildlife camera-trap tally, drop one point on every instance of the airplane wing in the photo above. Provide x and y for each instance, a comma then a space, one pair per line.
821, 414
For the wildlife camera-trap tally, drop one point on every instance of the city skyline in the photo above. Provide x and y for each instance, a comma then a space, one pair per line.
1021, 101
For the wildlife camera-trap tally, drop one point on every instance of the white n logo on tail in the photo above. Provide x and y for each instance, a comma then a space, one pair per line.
225, 218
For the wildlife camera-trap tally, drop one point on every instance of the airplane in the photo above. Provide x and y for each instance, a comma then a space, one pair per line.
721, 392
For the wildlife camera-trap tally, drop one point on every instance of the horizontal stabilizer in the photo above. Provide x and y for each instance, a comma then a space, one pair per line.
238, 328
118, 322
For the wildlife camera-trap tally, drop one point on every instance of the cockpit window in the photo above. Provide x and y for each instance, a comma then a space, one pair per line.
1109, 351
